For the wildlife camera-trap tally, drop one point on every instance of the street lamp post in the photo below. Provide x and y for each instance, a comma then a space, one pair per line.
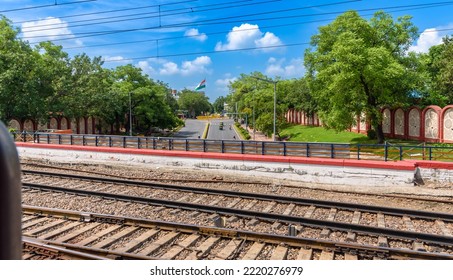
130, 114
275, 104
253, 115
275, 98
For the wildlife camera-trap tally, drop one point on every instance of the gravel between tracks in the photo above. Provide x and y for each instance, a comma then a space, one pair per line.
256, 186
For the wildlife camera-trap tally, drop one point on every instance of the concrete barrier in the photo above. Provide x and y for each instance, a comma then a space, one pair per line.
316, 170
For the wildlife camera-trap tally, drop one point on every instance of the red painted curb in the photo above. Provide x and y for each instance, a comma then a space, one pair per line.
435, 165
396, 165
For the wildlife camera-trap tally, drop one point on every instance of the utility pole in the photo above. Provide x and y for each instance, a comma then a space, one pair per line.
253, 113
130, 114
275, 105
275, 99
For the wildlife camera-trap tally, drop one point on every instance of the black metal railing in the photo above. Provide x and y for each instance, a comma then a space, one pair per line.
385, 152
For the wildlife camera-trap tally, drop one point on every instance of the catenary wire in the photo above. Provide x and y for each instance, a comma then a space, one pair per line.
158, 14
207, 21
46, 6
207, 52
397, 9
233, 50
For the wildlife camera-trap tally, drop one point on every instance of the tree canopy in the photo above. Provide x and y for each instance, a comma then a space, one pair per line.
195, 103
357, 66
44, 81
218, 104
438, 67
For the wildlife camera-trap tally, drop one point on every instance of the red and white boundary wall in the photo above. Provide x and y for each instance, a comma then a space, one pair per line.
431, 124
275, 168
88, 125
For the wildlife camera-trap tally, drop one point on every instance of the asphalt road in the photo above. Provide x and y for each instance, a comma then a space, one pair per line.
192, 129
227, 133
195, 128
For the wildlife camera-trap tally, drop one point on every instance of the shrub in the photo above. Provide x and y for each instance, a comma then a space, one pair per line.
371, 134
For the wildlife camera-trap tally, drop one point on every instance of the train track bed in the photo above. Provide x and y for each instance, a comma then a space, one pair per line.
438, 198
61, 234
326, 220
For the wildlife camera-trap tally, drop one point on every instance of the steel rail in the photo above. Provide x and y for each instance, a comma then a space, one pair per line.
438, 239
395, 253
285, 199
42, 245
416, 197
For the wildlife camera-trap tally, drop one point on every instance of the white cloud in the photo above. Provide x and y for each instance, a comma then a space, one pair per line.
199, 65
47, 29
279, 67
169, 68
222, 84
428, 38
195, 34
269, 39
115, 58
163, 67
146, 67
247, 36
225, 82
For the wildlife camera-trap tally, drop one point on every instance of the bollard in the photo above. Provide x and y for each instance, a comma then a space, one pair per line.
10, 199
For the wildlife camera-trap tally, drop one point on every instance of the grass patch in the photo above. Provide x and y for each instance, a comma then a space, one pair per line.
244, 134
299, 133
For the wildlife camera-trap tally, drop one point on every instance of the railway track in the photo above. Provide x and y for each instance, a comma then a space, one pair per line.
34, 249
218, 181
83, 235
345, 222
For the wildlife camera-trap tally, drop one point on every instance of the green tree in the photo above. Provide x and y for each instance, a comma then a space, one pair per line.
359, 66
439, 69
196, 103
20, 84
257, 96
297, 95
149, 104
219, 104
54, 75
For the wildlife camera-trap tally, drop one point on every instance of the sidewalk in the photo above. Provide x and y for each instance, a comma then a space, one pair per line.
259, 136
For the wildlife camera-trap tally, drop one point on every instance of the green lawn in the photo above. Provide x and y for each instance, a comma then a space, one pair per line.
299, 133
412, 150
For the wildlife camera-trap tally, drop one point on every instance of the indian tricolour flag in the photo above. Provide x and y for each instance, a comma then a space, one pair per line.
201, 85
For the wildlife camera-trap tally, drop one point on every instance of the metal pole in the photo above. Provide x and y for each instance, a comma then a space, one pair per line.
10, 199
275, 105
130, 114
254, 104
275, 99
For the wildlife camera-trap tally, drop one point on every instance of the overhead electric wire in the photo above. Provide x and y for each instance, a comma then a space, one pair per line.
225, 32
199, 23
158, 15
232, 50
208, 52
118, 10
202, 34
45, 6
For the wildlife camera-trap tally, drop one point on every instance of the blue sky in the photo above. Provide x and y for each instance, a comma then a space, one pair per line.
183, 42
